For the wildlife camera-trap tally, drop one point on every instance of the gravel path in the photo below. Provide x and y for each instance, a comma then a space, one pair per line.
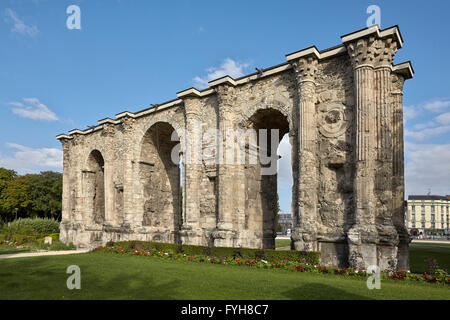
43, 253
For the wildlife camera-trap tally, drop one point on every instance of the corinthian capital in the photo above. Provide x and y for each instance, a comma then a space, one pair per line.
385, 50
305, 68
225, 97
362, 51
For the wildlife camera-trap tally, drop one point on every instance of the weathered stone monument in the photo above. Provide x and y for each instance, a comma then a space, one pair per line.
342, 109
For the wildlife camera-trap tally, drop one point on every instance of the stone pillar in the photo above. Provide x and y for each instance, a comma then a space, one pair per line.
305, 229
362, 235
67, 217
387, 234
130, 172
373, 239
191, 232
224, 233
398, 187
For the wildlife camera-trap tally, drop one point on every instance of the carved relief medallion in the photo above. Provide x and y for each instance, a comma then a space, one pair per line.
334, 119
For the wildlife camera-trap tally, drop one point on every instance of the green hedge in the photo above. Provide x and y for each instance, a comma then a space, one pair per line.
32, 226
310, 257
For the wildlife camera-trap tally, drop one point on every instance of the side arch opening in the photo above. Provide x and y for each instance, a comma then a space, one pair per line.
160, 180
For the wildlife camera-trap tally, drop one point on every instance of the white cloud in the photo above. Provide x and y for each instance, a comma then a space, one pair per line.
410, 112
228, 67
32, 108
19, 25
444, 118
29, 160
440, 125
421, 126
427, 167
437, 105
427, 133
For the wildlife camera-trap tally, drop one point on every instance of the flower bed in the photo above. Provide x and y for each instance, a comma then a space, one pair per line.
441, 276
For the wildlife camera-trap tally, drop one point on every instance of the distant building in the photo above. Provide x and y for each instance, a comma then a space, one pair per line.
285, 220
428, 214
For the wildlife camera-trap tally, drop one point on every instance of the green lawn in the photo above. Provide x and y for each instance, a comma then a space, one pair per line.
282, 243
107, 276
420, 252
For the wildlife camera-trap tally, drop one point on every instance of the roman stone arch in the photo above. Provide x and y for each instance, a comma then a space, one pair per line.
346, 157
94, 188
261, 180
159, 178
278, 102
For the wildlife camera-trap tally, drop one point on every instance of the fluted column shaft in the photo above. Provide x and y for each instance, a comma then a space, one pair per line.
225, 178
304, 234
191, 230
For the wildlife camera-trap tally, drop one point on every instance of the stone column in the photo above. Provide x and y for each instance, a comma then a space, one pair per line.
191, 232
305, 229
398, 187
131, 177
67, 217
373, 239
387, 235
224, 233
362, 235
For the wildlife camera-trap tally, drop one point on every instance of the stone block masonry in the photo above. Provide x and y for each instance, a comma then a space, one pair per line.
342, 109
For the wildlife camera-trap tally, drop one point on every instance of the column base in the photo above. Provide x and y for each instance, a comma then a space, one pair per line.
223, 238
303, 240
189, 236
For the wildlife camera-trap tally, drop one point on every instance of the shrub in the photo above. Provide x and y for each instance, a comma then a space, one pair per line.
222, 252
310, 257
36, 225
193, 250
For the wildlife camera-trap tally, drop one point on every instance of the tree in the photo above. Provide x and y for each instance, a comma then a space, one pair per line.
16, 195
6, 176
34, 195
46, 194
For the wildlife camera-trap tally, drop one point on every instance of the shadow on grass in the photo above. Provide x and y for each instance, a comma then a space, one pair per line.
46, 278
313, 291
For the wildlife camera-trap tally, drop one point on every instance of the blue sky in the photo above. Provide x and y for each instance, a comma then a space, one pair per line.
129, 54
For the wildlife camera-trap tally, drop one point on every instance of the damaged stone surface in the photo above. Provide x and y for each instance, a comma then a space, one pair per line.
342, 109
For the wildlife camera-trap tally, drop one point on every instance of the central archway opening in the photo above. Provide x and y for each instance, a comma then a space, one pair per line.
160, 178
262, 200
95, 178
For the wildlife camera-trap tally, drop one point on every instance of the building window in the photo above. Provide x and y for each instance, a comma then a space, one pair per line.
433, 217
413, 224
422, 209
433, 226
447, 209
423, 224
432, 208
413, 209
